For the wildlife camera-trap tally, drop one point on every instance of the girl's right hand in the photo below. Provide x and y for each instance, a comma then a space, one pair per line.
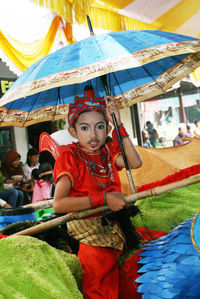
115, 200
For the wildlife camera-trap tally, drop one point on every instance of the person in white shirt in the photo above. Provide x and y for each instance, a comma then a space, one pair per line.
32, 162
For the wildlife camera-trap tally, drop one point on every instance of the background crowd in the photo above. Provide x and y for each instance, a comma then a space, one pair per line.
151, 138
21, 184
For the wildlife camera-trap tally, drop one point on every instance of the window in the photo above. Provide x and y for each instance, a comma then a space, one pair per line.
6, 141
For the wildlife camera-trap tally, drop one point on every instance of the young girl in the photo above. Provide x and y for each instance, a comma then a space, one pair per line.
31, 163
43, 185
87, 177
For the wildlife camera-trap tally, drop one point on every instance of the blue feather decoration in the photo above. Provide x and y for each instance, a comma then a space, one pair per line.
170, 265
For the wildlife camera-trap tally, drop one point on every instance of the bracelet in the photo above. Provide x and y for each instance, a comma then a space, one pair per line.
90, 200
122, 132
97, 200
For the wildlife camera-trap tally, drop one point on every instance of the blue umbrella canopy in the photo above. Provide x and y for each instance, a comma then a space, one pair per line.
138, 65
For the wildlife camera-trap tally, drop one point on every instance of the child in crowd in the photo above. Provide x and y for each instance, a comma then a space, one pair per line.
35, 175
31, 163
87, 177
145, 139
43, 182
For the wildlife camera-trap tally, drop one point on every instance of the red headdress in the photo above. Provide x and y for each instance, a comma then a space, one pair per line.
88, 102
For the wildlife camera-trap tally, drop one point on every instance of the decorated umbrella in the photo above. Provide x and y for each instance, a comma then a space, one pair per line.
138, 66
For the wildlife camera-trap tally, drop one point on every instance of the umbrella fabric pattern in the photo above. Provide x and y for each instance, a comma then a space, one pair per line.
138, 65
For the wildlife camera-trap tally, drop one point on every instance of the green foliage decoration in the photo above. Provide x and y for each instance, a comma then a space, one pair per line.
30, 268
165, 211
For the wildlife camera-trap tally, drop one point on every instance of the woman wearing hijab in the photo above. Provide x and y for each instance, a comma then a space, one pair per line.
11, 167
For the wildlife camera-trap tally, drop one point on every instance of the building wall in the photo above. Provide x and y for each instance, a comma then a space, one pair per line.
126, 119
21, 142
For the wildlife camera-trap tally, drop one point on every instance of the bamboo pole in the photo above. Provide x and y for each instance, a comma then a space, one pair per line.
44, 204
162, 189
129, 199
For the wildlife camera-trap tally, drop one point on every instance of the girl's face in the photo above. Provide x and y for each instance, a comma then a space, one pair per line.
15, 163
34, 159
91, 130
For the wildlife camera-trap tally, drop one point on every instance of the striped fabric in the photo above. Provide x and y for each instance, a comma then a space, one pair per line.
91, 232
179, 16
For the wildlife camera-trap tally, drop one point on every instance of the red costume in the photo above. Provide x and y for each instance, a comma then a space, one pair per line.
89, 172
93, 174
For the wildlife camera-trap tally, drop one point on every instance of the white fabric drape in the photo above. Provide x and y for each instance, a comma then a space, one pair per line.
24, 21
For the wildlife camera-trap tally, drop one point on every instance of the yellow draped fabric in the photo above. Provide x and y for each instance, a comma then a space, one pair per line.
196, 74
105, 17
110, 20
67, 29
174, 17
25, 54
105, 14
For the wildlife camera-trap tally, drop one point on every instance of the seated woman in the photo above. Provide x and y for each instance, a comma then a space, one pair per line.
12, 197
13, 172
11, 168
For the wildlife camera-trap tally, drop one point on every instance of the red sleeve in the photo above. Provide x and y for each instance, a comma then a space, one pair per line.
115, 151
66, 165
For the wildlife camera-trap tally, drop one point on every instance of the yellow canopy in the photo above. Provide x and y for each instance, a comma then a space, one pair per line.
179, 16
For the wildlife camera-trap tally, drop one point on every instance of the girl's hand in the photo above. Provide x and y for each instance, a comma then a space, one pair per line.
17, 178
7, 206
115, 200
111, 107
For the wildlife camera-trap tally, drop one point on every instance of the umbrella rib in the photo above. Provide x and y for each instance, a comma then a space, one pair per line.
58, 102
153, 78
123, 97
30, 109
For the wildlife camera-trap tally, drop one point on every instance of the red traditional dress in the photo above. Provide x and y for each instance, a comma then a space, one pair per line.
91, 174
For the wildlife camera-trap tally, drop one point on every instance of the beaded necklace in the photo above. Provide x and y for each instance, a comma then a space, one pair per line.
101, 173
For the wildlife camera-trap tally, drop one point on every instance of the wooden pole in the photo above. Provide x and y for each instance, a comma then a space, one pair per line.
182, 109
129, 199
